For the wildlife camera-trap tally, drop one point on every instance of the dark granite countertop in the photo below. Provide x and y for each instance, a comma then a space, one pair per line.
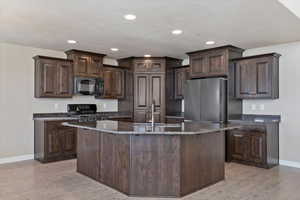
66, 116
240, 118
255, 118
185, 128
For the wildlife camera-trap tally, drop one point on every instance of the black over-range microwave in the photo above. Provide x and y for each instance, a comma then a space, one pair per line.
89, 86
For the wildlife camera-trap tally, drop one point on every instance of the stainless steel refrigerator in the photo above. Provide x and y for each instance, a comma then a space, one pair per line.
209, 100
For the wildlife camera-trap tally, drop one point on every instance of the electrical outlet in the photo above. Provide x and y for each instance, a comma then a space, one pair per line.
104, 105
253, 107
55, 106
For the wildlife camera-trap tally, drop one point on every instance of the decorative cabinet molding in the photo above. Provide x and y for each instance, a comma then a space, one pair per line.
149, 65
212, 62
53, 77
257, 77
86, 64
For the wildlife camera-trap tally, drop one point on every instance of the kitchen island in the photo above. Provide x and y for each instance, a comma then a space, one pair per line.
165, 160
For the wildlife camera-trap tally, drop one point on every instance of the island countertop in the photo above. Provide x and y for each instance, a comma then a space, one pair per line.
129, 128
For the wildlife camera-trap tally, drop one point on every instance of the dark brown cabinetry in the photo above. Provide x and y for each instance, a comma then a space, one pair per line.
104, 157
149, 77
53, 77
53, 142
254, 145
88, 153
181, 75
152, 165
149, 88
113, 82
257, 76
87, 64
150, 65
212, 62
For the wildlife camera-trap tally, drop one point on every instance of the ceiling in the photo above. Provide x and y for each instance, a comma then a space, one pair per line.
99, 25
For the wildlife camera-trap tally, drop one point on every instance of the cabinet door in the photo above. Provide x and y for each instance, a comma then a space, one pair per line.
81, 65
141, 87
156, 66
53, 148
95, 65
48, 85
141, 65
65, 80
198, 65
108, 83
254, 78
217, 63
68, 141
118, 83
239, 144
157, 95
181, 75
257, 147
141, 116
149, 65
246, 78
263, 77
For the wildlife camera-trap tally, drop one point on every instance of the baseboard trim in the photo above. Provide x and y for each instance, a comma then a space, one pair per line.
16, 158
289, 163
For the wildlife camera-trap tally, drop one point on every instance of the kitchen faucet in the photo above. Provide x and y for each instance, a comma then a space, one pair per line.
152, 112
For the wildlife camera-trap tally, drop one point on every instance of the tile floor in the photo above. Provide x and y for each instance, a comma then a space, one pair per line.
30, 180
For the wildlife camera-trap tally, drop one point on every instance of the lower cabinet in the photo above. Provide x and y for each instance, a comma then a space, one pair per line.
53, 142
254, 145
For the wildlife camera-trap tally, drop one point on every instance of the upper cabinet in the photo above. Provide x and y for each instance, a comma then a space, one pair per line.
149, 65
113, 82
181, 75
257, 77
212, 62
53, 77
87, 64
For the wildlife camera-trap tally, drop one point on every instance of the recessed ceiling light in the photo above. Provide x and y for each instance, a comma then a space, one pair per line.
130, 17
177, 32
72, 41
210, 42
147, 56
114, 49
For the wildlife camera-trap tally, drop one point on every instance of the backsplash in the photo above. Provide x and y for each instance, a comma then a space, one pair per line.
60, 105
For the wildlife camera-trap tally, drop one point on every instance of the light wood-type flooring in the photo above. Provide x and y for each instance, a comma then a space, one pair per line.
30, 180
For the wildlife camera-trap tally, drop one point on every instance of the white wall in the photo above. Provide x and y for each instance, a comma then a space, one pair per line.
17, 102
288, 104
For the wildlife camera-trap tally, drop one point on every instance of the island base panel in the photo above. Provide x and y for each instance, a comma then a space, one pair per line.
152, 165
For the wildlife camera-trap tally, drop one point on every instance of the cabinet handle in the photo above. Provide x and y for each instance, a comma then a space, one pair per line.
238, 136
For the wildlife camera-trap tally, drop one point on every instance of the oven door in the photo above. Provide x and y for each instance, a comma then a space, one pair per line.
85, 86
